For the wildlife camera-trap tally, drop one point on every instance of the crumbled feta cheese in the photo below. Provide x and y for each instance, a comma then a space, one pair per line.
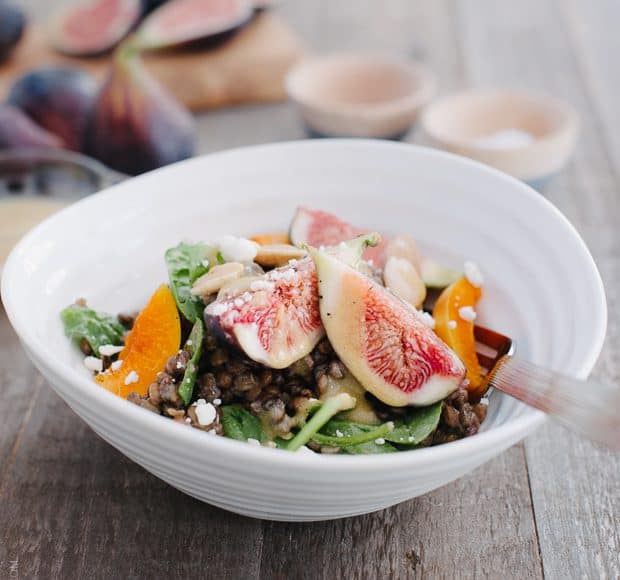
339, 433
238, 302
189, 342
452, 324
218, 308
467, 313
110, 350
426, 318
473, 274
254, 442
305, 450
380, 441
257, 285
205, 263
205, 412
465, 383
117, 364
131, 378
217, 402
188, 420
92, 363
271, 444
411, 439
235, 249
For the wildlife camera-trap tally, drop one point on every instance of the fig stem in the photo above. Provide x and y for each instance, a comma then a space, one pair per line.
331, 407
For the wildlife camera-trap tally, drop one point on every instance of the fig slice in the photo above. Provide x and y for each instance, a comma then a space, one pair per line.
275, 318
187, 21
94, 27
317, 228
384, 343
277, 321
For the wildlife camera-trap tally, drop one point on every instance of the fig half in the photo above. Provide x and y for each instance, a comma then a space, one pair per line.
385, 343
320, 228
277, 321
94, 27
188, 21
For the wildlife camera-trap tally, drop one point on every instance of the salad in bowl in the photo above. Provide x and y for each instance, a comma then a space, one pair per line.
327, 339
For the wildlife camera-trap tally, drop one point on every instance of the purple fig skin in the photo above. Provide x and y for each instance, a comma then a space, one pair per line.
12, 24
136, 126
17, 131
58, 99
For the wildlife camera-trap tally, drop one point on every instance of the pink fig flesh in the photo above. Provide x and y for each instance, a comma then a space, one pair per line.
384, 343
319, 228
276, 321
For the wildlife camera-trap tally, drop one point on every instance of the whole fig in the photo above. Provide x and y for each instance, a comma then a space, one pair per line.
136, 125
12, 23
58, 99
17, 130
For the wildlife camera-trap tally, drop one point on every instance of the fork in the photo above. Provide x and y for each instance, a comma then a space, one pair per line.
590, 407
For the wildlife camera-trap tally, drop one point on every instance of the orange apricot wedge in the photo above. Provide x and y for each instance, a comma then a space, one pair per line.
453, 326
155, 336
271, 238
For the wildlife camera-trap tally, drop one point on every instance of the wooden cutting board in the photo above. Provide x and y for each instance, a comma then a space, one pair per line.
248, 68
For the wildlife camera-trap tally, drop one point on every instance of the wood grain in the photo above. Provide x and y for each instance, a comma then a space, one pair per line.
248, 68
72, 507
575, 487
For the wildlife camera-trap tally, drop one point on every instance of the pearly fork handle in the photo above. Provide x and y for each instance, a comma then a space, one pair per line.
589, 407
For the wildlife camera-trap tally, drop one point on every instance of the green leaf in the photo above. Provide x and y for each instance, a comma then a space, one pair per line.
186, 263
241, 424
418, 425
340, 439
350, 430
194, 347
97, 328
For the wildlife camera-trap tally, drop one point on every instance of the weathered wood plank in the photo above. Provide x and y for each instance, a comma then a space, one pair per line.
575, 487
478, 527
73, 507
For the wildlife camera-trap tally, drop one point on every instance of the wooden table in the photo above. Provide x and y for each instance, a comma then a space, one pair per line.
73, 507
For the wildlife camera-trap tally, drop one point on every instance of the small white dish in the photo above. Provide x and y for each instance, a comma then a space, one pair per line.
527, 135
356, 95
109, 249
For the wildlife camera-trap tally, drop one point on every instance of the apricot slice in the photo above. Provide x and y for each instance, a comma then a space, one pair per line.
155, 336
453, 314
271, 238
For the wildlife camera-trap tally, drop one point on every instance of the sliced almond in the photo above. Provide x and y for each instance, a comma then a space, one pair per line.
403, 247
216, 277
278, 254
401, 277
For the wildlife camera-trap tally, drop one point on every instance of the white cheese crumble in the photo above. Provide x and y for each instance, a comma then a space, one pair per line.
205, 263
188, 420
218, 308
205, 412
473, 274
254, 442
217, 402
452, 324
117, 364
92, 363
339, 433
257, 285
467, 313
131, 378
110, 350
380, 441
189, 342
235, 249
426, 318
305, 450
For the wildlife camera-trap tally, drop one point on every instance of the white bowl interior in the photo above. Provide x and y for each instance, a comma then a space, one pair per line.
542, 289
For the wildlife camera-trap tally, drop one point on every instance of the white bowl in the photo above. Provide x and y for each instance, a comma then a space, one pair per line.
542, 288
359, 95
531, 136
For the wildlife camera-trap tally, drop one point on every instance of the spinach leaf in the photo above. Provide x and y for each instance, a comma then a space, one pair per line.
194, 347
347, 437
418, 425
349, 429
97, 328
241, 424
186, 263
